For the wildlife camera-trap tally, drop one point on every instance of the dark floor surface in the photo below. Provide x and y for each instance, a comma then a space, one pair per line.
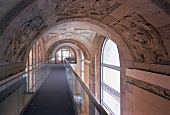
53, 97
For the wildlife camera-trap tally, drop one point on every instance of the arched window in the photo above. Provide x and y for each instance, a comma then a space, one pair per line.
65, 52
110, 78
33, 61
82, 65
34, 57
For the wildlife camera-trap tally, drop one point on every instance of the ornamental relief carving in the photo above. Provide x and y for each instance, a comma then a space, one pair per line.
143, 38
18, 46
90, 8
163, 92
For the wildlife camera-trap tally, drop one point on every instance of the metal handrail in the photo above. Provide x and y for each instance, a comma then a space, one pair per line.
91, 96
14, 78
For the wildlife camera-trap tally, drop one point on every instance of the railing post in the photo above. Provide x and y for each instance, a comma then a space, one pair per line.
91, 108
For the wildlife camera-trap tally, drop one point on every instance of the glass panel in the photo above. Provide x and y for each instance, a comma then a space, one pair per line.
111, 77
83, 103
30, 57
15, 94
33, 50
39, 51
111, 55
111, 103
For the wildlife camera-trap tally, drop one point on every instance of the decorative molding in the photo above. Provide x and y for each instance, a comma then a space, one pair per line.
87, 61
143, 38
163, 92
149, 77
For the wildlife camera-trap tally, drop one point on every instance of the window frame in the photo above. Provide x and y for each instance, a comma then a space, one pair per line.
104, 86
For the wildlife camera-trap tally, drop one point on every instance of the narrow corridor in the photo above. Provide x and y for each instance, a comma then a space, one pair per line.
53, 97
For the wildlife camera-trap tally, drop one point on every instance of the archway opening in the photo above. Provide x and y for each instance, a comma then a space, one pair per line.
34, 57
67, 53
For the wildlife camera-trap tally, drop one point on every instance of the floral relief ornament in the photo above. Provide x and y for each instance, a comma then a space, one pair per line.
145, 41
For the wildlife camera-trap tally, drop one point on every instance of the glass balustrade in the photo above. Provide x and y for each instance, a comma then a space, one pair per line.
84, 101
16, 93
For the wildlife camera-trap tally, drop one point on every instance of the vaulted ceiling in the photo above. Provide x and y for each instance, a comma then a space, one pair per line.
140, 28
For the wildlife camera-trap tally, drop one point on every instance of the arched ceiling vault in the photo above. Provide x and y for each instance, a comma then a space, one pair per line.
84, 36
139, 28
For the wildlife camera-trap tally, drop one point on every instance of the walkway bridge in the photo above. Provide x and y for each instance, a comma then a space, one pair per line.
50, 89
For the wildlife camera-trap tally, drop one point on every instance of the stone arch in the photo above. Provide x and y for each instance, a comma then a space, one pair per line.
62, 45
66, 46
24, 29
139, 43
77, 43
93, 25
99, 27
112, 32
42, 15
32, 25
85, 23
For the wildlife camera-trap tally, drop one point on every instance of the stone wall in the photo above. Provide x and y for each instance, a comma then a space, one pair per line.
139, 28
147, 94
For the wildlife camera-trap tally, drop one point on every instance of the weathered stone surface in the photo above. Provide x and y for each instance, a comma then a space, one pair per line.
164, 31
17, 46
144, 40
140, 44
9, 17
14, 68
163, 4
95, 9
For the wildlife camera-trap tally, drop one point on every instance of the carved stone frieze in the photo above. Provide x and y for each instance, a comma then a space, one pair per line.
143, 38
97, 9
165, 93
18, 46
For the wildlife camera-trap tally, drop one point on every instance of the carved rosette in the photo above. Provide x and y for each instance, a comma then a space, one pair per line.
143, 39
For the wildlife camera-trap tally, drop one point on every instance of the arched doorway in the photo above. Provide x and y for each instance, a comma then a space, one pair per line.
65, 52
110, 78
